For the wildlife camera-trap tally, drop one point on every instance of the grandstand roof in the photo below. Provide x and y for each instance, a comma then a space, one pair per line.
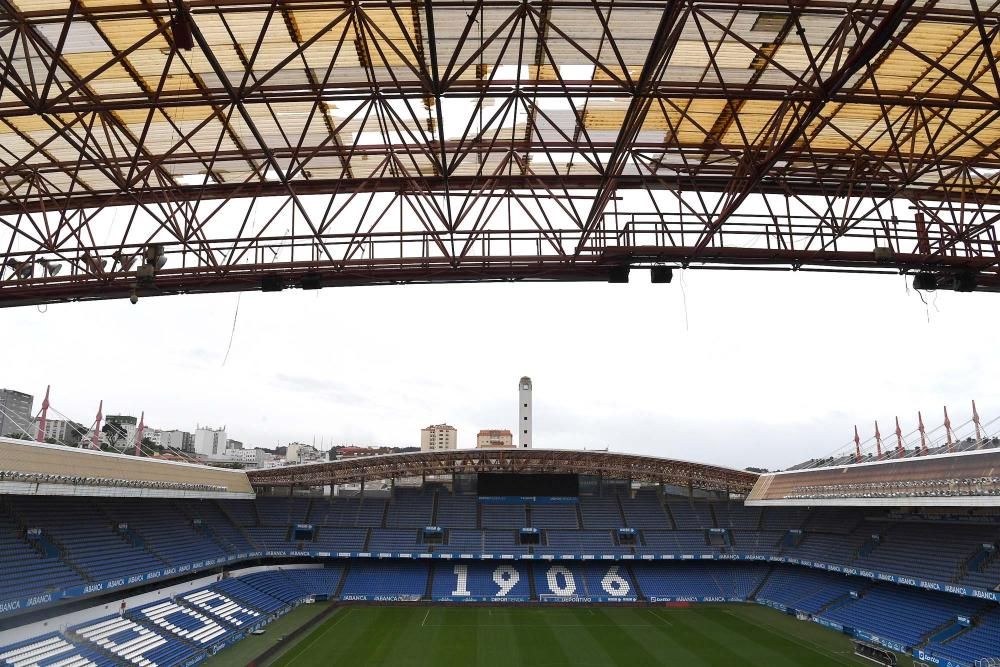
608, 464
965, 479
37, 468
539, 139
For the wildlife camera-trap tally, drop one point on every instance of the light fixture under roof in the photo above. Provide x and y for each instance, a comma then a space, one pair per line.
23, 270
51, 267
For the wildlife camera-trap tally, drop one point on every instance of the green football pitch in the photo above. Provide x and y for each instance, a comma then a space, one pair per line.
731, 635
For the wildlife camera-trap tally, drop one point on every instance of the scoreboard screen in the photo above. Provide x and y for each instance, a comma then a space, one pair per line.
504, 484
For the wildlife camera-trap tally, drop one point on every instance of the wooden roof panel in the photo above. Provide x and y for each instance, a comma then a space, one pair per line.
380, 49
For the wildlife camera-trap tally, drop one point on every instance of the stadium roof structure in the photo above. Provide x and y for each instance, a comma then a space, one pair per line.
960, 479
450, 462
173, 146
35, 468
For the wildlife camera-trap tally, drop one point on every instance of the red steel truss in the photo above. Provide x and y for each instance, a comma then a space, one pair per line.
607, 464
314, 143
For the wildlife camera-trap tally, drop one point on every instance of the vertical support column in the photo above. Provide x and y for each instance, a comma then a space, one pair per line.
923, 434
95, 439
947, 428
139, 431
43, 417
900, 452
975, 420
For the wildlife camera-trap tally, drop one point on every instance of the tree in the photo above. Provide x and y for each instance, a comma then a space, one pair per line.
150, 446
115, 434
75, 433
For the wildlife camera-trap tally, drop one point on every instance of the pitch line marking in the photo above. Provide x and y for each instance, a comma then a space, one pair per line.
425, 617
659, 618
793, 639
320, 636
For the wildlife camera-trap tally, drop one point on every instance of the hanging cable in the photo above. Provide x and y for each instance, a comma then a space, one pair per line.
684, 299
232, 334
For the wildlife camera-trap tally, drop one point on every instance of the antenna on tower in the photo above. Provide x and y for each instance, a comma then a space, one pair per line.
900, 452
947, 428
878, 442
43, 416
923, 434
96, 438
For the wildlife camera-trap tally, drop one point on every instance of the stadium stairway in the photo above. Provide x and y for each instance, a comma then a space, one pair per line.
42, 543
715, 517
428, 592
77, 639
176, 643
206, 530
978, 561
866, 548
340, 584
763, 581
947, 631
635, 581
67, 557
847, 598
621, 510
952, 630
839, 602
434, 508
242, 529
136, 539
531, 581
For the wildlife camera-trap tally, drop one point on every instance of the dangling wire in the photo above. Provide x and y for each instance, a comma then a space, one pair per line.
684, 298
232, 334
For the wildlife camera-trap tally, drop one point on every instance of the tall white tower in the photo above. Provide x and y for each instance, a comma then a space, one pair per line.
524, 413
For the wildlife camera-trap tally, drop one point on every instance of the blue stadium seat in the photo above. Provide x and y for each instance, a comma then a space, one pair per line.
698, 580
901, 613
456, 511
499, 580
375, 579
49, 651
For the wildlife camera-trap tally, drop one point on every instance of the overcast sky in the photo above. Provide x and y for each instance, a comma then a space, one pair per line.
764, 369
